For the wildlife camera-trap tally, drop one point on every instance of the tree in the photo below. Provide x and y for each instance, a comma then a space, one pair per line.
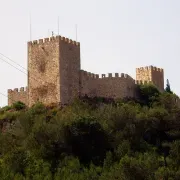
168, 88
148, 93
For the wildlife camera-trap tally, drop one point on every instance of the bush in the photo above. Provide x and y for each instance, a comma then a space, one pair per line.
18, 106
93, 139
148, 94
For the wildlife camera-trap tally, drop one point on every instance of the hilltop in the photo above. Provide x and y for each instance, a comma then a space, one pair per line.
93, 138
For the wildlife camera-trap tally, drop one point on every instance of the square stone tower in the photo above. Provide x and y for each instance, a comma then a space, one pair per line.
151, 74
53, 70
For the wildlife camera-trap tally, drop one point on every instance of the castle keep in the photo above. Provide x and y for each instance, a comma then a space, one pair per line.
55, 76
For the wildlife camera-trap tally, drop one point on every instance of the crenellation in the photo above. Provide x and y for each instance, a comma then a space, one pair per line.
63, 38
41, 41
46, 40
57, 38
150, 67
70, 41
85, 73
159, 69
9, 91
35, 42
66, 39
92, 75
16, 90
110, 75
53, 38
97, 76
103, 75
77, 43
147, 68
30, 43
89, 74
116, 75
17, 95
22, 89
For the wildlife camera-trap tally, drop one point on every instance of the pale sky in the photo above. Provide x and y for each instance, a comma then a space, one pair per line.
115, 35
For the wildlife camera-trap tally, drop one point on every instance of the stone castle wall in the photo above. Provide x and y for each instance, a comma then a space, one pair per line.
117, 86
18, 95
43, 71
54, 65
69, 62
151, 74
158, 78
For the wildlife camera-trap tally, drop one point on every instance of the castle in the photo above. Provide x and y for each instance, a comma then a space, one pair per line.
55, 76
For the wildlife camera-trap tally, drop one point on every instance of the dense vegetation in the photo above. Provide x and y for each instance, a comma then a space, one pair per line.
93, 139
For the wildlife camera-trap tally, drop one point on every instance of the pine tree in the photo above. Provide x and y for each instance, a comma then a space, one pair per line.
168, 88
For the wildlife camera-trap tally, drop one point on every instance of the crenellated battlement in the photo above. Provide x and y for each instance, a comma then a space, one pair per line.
151, 74
102, 76
53, 39
147, 68
89, 74
18, 90
115, 75
18, 94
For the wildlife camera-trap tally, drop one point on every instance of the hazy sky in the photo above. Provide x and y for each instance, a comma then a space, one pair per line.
115, 35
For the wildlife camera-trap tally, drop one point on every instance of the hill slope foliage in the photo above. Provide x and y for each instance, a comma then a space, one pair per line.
99, 139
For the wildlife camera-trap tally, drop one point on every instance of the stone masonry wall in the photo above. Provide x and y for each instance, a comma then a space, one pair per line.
18, 95
158, 78
151, 74
53, 70
118, 86
69, 70
43, 71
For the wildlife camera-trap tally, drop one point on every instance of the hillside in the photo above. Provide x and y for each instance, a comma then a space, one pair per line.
99, 139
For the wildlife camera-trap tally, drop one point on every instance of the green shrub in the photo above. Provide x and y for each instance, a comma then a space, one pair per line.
18, 105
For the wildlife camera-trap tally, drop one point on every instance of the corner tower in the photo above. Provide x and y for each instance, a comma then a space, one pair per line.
53, 70
151, 74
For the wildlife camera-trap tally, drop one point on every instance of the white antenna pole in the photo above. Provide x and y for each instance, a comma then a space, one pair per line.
58, 25
76, 32
30, 28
